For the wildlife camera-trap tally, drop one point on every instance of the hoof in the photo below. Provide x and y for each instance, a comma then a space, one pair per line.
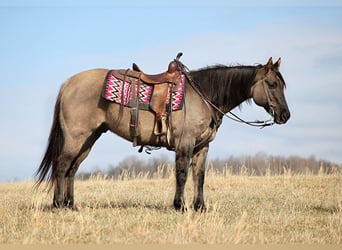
64, 204
179, 206
69, 204
199, 206
57, 204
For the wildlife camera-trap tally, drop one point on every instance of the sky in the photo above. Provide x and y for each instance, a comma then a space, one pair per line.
42, 43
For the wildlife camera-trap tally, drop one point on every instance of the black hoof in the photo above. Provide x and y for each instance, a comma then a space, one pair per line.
199, 206
179, 206
57, 204
64, 204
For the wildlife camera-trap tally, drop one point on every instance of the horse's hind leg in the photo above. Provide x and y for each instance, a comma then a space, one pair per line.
69, 181
69, 187
64, 184
64, 162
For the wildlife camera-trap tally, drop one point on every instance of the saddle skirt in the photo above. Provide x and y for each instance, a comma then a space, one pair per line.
121, 92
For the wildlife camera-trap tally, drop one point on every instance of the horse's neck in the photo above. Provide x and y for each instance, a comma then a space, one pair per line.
227, 88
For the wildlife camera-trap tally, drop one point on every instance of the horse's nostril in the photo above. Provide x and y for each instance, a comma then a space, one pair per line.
285, 115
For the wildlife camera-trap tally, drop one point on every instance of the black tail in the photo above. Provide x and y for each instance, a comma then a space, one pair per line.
47, 168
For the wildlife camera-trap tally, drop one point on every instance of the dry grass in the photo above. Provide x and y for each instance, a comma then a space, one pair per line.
241, 209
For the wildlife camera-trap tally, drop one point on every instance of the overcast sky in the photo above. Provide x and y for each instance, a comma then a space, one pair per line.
42, 43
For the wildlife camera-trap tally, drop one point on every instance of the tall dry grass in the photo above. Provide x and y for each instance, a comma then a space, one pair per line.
241, 209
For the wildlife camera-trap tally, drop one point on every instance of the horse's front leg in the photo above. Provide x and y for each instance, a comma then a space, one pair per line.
182, 167
198, 172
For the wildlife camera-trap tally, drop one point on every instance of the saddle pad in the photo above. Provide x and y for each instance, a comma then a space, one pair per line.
120, 92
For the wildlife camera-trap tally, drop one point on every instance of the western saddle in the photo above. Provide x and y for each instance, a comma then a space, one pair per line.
161, 83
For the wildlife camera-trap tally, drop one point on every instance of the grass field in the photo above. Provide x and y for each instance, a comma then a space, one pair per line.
241, 209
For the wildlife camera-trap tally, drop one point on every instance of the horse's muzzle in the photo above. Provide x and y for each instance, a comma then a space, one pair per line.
282, 117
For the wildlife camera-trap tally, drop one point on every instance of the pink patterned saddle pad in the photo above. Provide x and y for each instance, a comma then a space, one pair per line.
115, 90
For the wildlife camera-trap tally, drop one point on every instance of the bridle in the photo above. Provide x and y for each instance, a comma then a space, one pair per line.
232, 116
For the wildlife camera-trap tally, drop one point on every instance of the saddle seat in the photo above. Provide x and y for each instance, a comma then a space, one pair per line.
165, 77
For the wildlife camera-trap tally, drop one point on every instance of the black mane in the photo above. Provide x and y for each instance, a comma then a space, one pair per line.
225, 85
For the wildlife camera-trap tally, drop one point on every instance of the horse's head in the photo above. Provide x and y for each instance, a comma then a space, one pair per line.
268, 91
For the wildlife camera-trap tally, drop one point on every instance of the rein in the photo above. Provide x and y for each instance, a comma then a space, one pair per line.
234, 117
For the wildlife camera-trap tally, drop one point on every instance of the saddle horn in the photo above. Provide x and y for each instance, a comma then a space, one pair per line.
179, 56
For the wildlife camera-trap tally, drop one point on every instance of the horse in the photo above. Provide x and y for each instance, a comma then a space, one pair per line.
81, 115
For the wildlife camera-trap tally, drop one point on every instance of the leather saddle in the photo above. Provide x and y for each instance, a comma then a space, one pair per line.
165, 77
161, 83
136, 74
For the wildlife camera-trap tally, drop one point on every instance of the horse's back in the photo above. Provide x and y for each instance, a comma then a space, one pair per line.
91, 77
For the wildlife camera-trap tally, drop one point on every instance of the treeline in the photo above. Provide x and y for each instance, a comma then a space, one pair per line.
260, 164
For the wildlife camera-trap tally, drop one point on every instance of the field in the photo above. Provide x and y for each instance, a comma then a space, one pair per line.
241, 209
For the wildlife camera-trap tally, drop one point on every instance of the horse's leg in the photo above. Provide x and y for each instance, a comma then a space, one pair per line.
63, 195
182, 167
69, 181
198, 172
64, 162
75, 143
69, 188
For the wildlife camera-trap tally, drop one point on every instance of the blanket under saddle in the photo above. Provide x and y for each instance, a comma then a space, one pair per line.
118, 91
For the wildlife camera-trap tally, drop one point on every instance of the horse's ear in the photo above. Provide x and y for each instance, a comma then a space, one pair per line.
277, 64
269, 64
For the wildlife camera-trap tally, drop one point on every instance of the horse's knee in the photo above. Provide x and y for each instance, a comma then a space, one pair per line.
181, 176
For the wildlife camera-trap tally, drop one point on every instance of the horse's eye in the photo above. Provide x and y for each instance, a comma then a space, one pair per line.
272, 85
